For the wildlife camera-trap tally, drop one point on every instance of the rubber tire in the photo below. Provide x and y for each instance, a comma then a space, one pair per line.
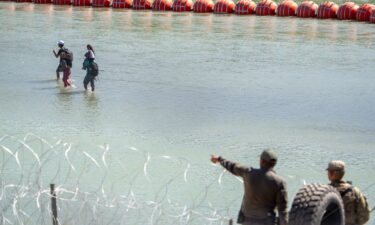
317, 204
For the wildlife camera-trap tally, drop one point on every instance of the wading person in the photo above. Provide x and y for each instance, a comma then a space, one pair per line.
264, 191
66, 71
357, 210
60, 44
92, 72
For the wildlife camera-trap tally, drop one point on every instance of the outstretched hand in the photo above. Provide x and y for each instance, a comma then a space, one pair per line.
214, 159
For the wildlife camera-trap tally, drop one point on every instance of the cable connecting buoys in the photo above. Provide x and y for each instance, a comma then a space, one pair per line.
100, 3
203, 6
42, 1
61, 2
245, 7
364, 12
347, 11
141, 4
287, 8
182, 5
122, 4
266, 8
162, 5
307, 9
327, 10
81, 3
372, 17
224, 6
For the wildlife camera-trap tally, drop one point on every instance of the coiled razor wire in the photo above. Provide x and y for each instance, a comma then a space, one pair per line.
88, 191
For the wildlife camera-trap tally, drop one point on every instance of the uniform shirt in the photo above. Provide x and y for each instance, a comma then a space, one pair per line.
357, 210
264, 191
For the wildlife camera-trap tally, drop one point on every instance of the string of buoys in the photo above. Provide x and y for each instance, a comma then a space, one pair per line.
306, 9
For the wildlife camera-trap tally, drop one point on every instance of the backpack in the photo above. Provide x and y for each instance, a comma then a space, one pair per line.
68, 57
95, 69
357, 210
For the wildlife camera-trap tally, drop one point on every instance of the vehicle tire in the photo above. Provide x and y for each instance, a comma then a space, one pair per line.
317, 204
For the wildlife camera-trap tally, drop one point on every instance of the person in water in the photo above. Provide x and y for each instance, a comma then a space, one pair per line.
57, 55
91, 68
66, 71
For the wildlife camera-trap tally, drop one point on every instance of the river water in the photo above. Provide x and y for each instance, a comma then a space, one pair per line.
174, 88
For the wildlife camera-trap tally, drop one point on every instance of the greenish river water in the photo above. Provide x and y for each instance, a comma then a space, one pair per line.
173, 89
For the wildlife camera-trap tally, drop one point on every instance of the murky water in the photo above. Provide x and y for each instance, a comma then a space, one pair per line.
188, 85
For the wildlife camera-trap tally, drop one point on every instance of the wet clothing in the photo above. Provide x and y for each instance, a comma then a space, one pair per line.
88, 65
66, 72
264, 192
59, 67
357, 210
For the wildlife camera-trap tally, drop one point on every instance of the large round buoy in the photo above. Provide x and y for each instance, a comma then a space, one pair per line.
42, 1
287, 8
307, 9
203, 6
266, 8
61, 2
141, 4
81, 3
182, 5
245, 7
162, 5
100, 3
327, 10
122, 4
364, 12
372, 17
347, 11
224, 6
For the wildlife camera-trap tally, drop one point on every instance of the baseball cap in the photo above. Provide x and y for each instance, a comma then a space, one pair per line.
336, 165
268, 155
61, 42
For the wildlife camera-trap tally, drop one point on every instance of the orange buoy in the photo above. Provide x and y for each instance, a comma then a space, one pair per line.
364, 12
141, 4
42, 1
162, 5
122, 4
81, 3
100, 3
307, 9
245, 7
266, 8
61, 2
182, 5
347, 11
287, 8
327, 10
372, 17
203, 6
224, 6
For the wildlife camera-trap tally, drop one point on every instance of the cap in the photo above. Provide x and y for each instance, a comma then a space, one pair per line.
61, 42
268, 155
336, 165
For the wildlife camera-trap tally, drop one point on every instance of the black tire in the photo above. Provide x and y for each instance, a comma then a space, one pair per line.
317, 204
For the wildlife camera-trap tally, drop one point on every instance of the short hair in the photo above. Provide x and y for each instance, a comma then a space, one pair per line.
337, 174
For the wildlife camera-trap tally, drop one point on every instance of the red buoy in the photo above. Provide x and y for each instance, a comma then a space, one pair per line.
347, 11
266, 8
203, 6
81, 3
287, 8
307, 9
372, 17
162, 5
141, 4
100, 3
327, 10
224, 6
42, 1
245, 7
364, 12
23, 1
61, 2
122, 4
182, 5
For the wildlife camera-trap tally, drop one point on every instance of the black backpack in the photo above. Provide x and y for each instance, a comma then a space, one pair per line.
95, 69
68, 57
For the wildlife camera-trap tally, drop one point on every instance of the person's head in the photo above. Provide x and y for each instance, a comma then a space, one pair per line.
60, 43
89, 47
336, 170
268, 159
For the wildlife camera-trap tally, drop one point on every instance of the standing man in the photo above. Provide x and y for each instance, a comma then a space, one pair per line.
357, 210
264, 191
59, 54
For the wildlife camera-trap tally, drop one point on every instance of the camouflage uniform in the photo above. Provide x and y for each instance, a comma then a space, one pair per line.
264, 191
357, 210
